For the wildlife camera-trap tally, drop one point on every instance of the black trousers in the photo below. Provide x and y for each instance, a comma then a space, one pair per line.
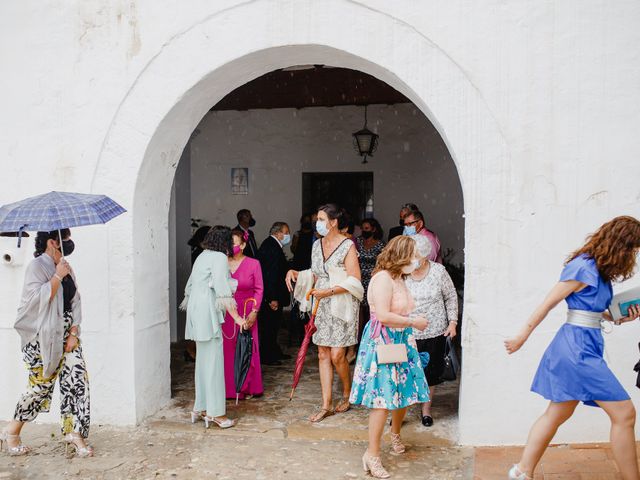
269, 322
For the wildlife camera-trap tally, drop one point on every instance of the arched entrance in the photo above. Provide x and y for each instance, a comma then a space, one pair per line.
194, 71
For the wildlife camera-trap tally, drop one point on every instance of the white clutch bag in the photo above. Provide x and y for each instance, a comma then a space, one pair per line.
622, 301
391, 353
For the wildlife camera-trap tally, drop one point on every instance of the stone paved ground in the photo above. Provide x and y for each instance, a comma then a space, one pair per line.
273, 440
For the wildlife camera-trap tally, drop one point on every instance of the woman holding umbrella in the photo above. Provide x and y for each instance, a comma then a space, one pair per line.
48, 322
247, 272
336, 273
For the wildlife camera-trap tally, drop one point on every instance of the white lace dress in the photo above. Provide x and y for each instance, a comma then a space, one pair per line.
332, 331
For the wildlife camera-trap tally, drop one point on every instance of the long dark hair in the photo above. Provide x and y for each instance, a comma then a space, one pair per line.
43, 237
613, 247
219, 239
335, 212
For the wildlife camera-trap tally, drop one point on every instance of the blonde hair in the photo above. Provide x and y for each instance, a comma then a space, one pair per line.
398, 253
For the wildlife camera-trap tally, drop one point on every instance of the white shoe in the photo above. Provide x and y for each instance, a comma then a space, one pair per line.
16, 451
516, 474
226, 423
72, 441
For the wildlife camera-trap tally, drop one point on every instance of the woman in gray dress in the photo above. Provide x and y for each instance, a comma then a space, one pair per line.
333, 252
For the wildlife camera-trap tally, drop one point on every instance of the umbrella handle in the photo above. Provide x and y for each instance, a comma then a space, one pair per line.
250, 299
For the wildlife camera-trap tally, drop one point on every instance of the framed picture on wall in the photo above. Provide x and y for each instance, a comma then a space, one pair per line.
240, 181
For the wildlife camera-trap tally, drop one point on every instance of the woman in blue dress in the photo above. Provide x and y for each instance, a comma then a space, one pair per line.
389, 387
572, 369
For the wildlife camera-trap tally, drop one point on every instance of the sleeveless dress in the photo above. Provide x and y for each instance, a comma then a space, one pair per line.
332, 332
389, 386
573, 367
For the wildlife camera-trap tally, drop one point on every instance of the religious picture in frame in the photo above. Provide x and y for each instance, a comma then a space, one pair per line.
240, 181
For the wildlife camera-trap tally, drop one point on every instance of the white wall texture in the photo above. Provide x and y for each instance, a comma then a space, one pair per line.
536, 101
412, 164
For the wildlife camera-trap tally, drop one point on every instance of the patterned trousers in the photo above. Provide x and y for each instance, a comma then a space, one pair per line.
74, 388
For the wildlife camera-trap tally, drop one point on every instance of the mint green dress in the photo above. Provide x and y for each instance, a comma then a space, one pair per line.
209, 293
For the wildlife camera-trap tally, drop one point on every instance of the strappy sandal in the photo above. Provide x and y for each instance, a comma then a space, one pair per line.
16, 451
321, 415
343, 406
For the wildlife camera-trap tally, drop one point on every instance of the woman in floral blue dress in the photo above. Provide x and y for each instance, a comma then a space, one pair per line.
389, 387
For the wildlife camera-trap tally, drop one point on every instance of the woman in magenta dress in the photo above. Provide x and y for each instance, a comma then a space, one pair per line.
247, 272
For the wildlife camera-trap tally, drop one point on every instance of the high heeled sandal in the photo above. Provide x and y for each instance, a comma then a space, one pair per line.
516, 474
373, 466
82, 452
195, 416
16, 451
226, 423
397, 447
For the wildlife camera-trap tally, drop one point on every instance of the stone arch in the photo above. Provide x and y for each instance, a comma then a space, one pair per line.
197, 68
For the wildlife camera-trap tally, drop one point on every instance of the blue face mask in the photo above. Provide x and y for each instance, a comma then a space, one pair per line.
409, 230
321, 228
286, 240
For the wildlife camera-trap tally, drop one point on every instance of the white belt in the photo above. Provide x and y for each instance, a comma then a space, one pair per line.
583, 318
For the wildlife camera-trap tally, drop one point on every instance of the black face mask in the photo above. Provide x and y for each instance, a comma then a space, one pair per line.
252, 222
306, 226
67, 247
367, 234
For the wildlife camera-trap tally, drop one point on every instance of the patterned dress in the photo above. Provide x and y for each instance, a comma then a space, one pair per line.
332, 332
367, 258
394, 385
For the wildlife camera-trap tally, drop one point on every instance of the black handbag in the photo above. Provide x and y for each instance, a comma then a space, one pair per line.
451, 363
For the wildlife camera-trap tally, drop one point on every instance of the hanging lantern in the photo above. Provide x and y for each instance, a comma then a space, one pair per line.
365, 141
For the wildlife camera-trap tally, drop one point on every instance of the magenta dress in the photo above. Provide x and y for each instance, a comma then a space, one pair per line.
249, 277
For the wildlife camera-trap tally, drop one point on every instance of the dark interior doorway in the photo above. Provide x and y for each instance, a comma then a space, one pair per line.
353, 191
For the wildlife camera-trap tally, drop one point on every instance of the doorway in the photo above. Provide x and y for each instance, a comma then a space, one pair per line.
353, 191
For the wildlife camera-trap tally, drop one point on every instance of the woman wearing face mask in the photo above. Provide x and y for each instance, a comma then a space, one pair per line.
48, 322
436, 299
369, 245
246, 271
337, 315
389, 387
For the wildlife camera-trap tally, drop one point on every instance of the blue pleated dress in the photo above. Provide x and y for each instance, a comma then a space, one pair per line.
573, 367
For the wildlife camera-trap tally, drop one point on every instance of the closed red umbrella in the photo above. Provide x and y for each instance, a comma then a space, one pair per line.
309, 330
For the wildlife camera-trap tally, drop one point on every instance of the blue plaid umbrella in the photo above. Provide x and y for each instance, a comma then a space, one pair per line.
57, 210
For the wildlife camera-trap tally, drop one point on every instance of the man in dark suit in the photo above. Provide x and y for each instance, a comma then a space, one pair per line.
404, 211
276, 296
245, 222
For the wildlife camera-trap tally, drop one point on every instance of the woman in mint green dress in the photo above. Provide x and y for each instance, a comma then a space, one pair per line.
208, 295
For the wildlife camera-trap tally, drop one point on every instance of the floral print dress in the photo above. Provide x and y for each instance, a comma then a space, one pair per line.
389, 386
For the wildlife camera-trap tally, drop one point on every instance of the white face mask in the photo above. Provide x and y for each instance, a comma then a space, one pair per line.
321, 228
414, 265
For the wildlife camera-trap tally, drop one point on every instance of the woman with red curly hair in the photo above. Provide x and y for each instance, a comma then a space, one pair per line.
572, 369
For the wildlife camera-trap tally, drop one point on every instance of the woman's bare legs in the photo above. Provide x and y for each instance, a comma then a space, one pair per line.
542, 431
623, 439
326, 376
14, 428
397, 417
426, 406
377, 419
339, 361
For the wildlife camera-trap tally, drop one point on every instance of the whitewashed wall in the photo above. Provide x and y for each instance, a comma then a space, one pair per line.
412, 164
537, 103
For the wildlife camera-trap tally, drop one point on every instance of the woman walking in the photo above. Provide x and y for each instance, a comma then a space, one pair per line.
369, 245
48, 322
335, 269
572, 369
384, 387
436, 299
247, 272
208, 294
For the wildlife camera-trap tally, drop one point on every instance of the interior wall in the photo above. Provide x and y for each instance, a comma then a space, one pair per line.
412, 164
179, 250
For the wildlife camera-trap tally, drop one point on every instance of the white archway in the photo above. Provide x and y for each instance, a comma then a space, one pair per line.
196, 69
